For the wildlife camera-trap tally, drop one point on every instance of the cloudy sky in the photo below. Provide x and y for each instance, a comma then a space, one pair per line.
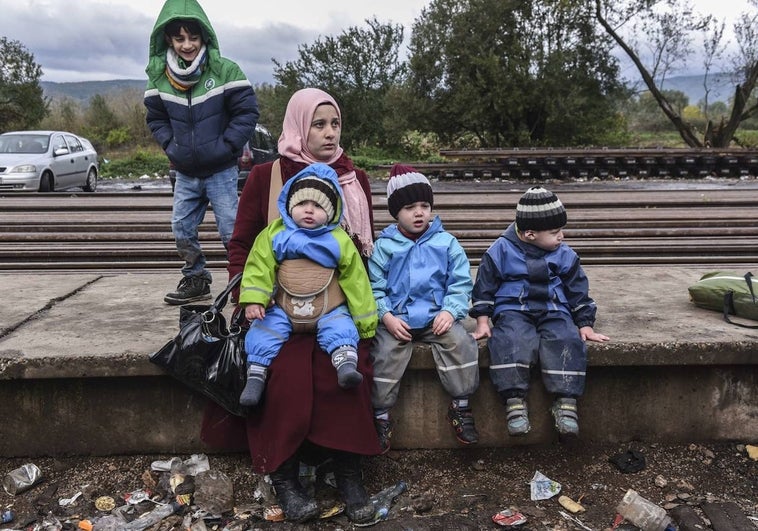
90, 40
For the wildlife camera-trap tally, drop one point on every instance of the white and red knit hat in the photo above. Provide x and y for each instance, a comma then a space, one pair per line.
405, 187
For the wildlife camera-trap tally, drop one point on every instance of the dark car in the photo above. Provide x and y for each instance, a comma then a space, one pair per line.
262, 147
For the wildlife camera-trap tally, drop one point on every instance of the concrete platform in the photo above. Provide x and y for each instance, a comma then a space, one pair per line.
75, 378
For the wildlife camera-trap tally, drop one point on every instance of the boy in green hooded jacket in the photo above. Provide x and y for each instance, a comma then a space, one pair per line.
201, 109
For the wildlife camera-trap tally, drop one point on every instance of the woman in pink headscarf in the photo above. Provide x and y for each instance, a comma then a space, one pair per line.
305, 415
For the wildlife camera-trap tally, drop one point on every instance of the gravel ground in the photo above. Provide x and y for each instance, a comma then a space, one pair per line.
447, 489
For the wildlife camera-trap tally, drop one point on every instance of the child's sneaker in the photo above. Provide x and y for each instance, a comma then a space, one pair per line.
462, 421
517, 417
566, 417
384, 432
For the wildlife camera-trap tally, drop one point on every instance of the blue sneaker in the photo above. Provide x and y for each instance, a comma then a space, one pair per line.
566, 417
517, 417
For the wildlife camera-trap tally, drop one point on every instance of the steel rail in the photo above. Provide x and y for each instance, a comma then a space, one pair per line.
132, 231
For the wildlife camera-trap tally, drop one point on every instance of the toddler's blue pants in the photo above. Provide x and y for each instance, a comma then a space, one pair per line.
266, 336
548, 338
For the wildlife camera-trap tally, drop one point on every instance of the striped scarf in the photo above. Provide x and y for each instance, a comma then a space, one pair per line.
180, 78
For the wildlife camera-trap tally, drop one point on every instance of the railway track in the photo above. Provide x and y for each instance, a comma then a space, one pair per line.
602, 163
105, 232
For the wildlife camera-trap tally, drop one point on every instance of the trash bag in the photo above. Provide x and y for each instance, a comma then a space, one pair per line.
628, 462
207, 355
214, 492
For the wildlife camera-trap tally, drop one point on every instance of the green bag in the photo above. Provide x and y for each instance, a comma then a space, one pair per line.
727, 292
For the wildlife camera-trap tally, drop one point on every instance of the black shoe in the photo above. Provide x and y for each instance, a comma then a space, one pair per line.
190, 289
462, 421
294, 501
384, 432
349, 477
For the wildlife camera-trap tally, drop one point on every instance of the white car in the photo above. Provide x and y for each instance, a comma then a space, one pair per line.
47, 161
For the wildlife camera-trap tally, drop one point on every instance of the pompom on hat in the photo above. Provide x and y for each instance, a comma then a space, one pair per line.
540, 209
405, 187
312, 188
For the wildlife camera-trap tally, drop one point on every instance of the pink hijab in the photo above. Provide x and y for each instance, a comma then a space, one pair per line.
293, 144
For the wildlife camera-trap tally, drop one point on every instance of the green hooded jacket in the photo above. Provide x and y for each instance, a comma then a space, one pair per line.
202, 129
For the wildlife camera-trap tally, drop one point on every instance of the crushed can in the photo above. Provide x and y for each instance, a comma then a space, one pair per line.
21, 479
7, 516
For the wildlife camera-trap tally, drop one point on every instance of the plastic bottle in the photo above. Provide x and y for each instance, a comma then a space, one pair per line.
7, 516
384, 499
642, 512
153, 517
109, 522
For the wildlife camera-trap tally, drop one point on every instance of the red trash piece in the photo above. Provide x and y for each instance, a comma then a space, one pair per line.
509, 518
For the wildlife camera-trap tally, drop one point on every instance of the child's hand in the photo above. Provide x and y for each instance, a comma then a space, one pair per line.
442, 322
254, 311
397, 327
482, 328
588, 334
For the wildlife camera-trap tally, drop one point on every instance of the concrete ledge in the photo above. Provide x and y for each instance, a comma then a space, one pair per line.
75, 379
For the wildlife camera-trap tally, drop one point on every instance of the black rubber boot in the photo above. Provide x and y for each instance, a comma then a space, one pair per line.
294, 501
349, 477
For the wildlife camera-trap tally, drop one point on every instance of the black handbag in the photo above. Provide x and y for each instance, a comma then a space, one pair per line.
207, 355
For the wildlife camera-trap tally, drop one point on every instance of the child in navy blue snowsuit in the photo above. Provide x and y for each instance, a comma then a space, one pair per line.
534, 289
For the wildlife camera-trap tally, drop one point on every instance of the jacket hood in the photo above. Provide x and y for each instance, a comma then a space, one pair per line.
532, 250
172, 10
322, 171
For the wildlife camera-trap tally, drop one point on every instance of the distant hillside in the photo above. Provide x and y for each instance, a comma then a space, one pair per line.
84, 90
720, 85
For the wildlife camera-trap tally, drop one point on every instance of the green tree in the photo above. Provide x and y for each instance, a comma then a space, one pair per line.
64, 114
513, 73
99, 121
358, 68
272, 102
643, 113
658, 35
129, 111
22, 105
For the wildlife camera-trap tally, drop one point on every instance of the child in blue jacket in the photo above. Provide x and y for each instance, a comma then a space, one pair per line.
535, 291
421, 279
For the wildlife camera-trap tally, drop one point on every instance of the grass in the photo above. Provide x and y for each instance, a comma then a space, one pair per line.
134, 163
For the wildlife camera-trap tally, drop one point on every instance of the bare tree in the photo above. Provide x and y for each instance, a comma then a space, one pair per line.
666, 29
